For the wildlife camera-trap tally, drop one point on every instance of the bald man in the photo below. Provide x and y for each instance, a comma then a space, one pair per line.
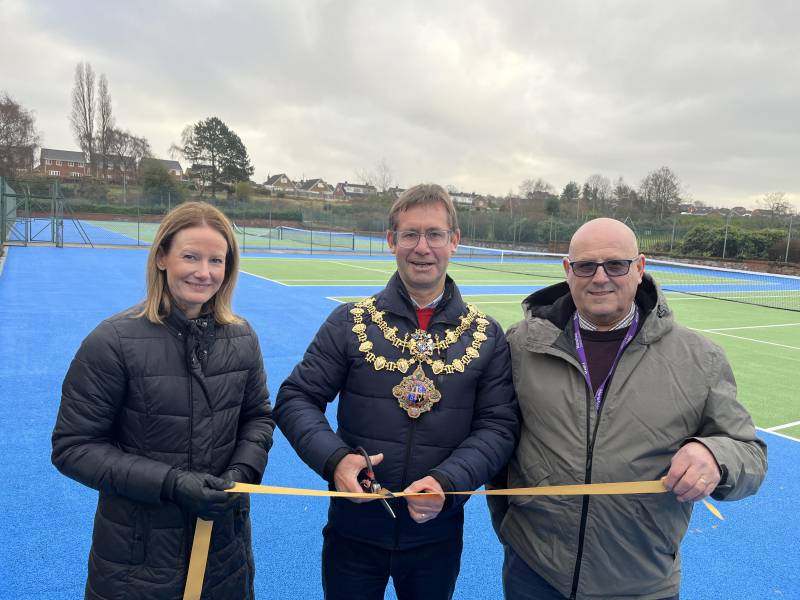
611, 388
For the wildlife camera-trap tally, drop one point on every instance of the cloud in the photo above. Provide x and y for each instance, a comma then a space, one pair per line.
479, 95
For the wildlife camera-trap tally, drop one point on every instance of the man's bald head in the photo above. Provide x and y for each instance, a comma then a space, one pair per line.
604, 232
602, 299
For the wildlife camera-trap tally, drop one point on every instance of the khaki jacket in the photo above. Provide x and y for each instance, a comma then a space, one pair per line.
670, 387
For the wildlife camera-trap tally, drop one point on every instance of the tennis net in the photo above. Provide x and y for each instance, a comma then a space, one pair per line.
748, 287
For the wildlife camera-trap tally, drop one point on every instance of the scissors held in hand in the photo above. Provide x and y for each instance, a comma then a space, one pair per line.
367, 480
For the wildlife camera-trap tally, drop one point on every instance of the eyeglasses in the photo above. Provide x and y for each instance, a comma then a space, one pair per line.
616, 267
436, 238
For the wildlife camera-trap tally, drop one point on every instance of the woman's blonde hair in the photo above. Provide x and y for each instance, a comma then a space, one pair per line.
159, 301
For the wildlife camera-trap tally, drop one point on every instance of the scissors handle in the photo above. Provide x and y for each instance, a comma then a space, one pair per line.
370, 483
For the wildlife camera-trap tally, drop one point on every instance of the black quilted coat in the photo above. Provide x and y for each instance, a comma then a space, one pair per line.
462, 442
138, 400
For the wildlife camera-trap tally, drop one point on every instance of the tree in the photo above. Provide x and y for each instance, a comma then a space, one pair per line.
661, 190
571, 192
597, 192
381, 177
529, 187
126, 149
18, 136
212, 143
623, 196
84, 105
157, 183
105, 121
776, 203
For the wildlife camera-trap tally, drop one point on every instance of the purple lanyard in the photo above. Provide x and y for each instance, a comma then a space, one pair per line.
598, 395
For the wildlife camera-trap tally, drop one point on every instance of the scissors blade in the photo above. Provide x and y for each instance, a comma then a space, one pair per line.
387, 507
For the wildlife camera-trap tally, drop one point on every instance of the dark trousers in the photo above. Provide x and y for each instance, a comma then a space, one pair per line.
353, 569
520, 582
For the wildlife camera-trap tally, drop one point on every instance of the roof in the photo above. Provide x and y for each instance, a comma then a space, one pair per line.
169, 165
310, 183
50, 154
356, 188
275, 178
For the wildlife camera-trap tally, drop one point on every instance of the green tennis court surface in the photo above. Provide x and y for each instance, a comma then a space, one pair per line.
762, 344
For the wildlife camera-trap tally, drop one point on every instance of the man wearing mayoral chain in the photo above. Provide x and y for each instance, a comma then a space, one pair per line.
612, 389
424, 385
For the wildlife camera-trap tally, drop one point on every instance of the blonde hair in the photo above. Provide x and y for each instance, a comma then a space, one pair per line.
423, 194
158, 303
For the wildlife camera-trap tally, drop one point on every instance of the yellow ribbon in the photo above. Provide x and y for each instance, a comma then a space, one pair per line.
202, 534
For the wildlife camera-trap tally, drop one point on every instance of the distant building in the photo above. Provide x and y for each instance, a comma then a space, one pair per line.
173, 167
348, 191
65, 164
315, 188
279, 183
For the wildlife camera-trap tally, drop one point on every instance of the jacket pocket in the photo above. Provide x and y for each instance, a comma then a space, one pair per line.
120, 531
532, 474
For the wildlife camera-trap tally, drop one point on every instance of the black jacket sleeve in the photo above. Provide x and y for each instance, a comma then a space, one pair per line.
84, 448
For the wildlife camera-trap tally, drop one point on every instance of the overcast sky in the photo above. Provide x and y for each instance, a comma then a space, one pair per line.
478, 95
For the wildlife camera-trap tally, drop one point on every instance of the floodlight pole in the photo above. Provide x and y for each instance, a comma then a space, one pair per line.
725, 241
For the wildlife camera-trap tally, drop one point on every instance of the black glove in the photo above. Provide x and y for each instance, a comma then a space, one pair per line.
201, 494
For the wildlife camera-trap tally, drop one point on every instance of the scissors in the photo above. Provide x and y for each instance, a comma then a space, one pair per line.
370, 484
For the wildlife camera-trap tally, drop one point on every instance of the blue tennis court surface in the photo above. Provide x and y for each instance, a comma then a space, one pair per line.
51, 298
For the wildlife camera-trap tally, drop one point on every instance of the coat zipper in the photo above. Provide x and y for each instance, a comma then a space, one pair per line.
590, 440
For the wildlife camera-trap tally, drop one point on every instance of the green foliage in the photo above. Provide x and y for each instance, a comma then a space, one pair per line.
91, 188
212, 143
243, 191
705, 240
158, 186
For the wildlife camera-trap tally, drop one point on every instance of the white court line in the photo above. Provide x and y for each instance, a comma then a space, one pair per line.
738, 337
752, 327
264, 278
344, 264
784, 426
786, 437
334, 299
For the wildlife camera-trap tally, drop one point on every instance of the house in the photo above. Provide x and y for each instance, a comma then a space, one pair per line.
395, 192
65, 164
349, 191
315, 188
279, 183
173, 167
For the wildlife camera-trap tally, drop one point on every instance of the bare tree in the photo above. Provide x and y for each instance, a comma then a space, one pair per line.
776, 203
530, 187
18, 136
84, 105
380, 177
126, 149
105, 121
662, 190
597, 192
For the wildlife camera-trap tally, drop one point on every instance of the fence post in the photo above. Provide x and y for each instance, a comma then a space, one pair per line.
3, 216
725, 241
672, 240
788, 239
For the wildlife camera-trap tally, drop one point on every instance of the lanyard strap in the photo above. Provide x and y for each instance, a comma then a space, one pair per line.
598, 395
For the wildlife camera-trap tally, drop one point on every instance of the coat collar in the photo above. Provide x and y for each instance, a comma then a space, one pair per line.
394, 298
549, 312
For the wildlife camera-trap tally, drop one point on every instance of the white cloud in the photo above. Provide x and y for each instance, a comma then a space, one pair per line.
480, 95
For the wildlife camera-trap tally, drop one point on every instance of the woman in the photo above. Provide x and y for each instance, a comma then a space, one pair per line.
164, 405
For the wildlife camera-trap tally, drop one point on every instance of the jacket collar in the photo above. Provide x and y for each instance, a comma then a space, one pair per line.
553, 307
395, 298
